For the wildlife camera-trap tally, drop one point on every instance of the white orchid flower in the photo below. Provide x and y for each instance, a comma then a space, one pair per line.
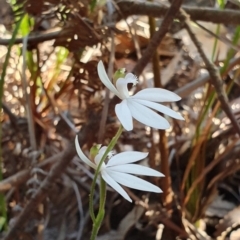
119, 168
139, 105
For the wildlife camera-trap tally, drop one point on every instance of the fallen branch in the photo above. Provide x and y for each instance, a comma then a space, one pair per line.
35, 38
158, 10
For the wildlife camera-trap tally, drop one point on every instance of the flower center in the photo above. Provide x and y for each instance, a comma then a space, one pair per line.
135, 82
122, 85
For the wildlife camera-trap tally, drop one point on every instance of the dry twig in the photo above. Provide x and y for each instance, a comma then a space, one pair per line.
38, 37
215, 77
157, 10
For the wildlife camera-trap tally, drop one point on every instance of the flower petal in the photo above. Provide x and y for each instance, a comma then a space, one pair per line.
100, 154
160, 108
82, 155
147, 116
105, 80
122, 83
132, 181
126, 157
124, 115
136, 169
110, 181
102, 150
156, 95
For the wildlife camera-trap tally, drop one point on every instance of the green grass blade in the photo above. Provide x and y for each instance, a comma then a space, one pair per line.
221, 4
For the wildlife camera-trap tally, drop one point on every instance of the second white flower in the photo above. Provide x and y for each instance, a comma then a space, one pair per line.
119, 168
140, 105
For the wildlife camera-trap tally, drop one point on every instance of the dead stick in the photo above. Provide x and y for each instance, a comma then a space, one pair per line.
215, 77
163, 147
35, 37
158, 10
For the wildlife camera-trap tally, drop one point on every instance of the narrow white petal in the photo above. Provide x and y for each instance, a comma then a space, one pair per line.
122, 88
105, 80
159, 107
100, 154
132, 181
126, 157
82, 155
122, 84
147, 116
111, 182
157, 95
136, 169
102, 150
124, 115
97, 160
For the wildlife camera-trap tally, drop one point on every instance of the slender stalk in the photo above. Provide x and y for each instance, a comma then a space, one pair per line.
102, 194
101, 212
102, 202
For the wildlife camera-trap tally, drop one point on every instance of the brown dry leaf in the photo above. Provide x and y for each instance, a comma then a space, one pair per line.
125, 43
168, 46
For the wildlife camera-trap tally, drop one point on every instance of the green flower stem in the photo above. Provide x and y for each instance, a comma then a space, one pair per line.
97, 224
101, 212
102, 195
98, 220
